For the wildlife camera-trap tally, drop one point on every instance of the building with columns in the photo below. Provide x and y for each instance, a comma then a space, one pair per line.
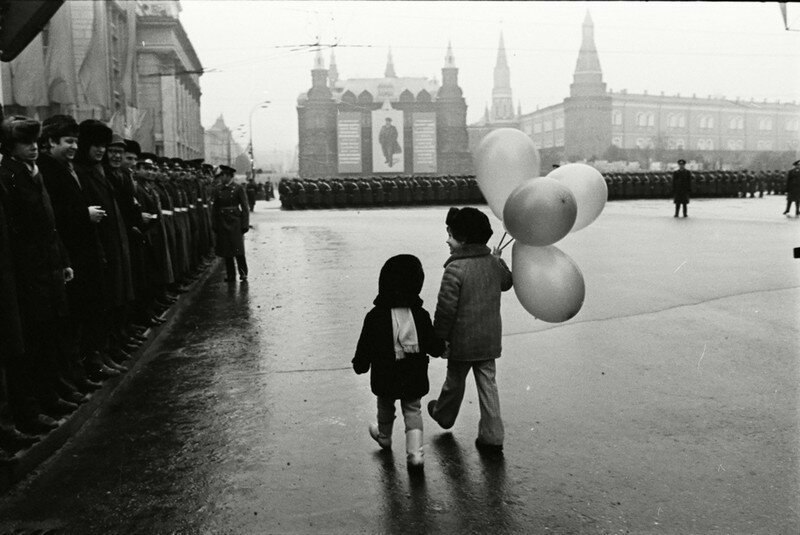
129, 64
394, 125
596, 123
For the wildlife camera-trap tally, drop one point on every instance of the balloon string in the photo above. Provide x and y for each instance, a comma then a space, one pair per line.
507, 244
500, 245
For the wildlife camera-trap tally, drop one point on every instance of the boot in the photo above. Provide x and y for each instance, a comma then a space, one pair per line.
414, 454
385, 441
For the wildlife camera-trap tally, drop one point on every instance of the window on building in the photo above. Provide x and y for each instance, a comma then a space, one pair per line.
548, 126
793, 144
765, 123
701, 144
706, 121
616, 117
548, 142
616, 141
641, 119
559, 123
736, 123
792, 125
537, 127
651, 119
735, 144
560, 139
672, 121
680, 143
764, 144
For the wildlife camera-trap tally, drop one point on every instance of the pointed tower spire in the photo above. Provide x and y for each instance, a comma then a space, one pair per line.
502, 102
449, 59
588, 77
333, 72
319, 61
390, 66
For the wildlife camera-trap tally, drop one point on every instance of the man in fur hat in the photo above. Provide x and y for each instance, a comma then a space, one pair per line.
42, 269
93, 140
77, 225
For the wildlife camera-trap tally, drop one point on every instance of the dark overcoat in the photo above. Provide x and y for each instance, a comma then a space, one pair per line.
793, 185
11, 341
158, 262
78, 234
396, 379
39, 257
681, 186
112, 231
231, 219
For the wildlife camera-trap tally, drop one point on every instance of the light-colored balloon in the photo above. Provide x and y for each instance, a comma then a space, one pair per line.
548, 283
503, 159
540, 211
589, 188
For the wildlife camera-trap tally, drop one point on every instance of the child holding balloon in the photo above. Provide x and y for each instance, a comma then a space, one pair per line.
395, 342
467, 317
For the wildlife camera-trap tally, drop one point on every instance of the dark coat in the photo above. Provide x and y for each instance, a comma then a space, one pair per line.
39, 256
158, 262
395, 379
231, 219
78, 234
112, 231
682, 186
11, 341
793, 185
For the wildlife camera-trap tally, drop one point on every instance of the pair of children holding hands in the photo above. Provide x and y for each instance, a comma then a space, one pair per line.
398, 336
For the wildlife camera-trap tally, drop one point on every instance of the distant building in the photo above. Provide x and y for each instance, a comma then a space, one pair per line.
595, 123
127, 63
222, 149
423, 123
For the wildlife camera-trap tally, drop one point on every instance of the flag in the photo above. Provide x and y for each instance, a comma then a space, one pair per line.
28, 85
60, 59
128, 54
782, 5
93, 73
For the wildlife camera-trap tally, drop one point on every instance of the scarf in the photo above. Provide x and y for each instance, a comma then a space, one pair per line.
404, 333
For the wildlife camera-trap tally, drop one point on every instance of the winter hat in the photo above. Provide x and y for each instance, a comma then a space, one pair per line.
58, 126
19, 129
133, 147
94, 132
469, 225
117, 141
400, 282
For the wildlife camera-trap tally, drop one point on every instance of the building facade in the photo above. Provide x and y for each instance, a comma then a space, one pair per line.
596, 123
393, 125
129, 64
222, 149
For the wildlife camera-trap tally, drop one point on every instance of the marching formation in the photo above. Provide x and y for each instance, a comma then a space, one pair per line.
97, 240
300, 194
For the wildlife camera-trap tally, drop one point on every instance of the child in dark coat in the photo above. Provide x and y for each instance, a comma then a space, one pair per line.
395, 342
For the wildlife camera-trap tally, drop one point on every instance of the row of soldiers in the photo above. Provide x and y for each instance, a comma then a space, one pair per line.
299, 194
97, 240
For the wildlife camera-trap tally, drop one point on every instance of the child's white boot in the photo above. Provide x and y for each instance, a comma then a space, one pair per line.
414, 454
384, 441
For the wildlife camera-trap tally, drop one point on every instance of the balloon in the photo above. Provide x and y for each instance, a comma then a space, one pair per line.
589, 188
503, 159
548, 283
540, 211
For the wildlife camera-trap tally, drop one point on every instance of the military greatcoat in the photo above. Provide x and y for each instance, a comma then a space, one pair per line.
231, 219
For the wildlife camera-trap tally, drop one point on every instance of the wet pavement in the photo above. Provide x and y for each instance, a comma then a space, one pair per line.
668, 405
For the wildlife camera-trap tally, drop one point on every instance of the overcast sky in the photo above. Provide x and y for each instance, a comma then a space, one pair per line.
263, 50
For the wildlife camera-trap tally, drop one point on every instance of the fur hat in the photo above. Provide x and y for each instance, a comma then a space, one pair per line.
400, 282
133, 147
19, 129
94, 132
117, 141
58, 126
469, 225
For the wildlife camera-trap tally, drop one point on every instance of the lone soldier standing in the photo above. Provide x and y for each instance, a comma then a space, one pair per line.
793, 189
681, 187
230, 222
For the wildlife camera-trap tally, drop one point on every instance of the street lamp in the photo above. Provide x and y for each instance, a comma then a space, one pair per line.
264, 104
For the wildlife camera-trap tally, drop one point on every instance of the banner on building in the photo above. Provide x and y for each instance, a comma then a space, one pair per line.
348, 136
387, 140
424, 140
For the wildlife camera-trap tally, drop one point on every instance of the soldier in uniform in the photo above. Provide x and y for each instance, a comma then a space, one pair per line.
793, 189
681, 187
231, 222
252, 192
